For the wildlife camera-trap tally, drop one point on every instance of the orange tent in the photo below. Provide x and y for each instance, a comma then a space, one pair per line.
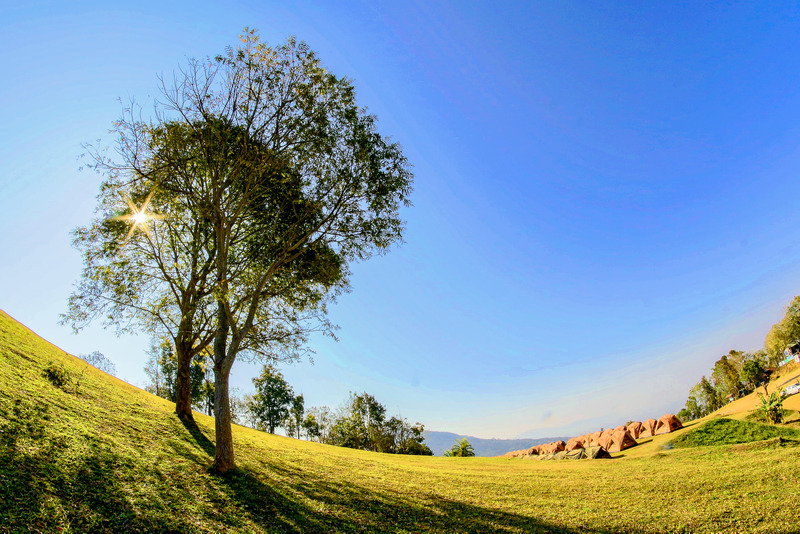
574, 443
558, 446
621, 440
620, 427
604, 441
635, 429
666, 424
593, 438
648, 428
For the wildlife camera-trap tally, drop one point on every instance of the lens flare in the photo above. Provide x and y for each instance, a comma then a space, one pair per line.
138, 217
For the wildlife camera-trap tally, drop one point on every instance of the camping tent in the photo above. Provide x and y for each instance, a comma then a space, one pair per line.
575, 454
635, 429
574, 443
666, 424
648, 428
595, 453
621, 440
604, 440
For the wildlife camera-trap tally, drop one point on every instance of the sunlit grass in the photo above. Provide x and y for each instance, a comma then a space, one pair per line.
98, 455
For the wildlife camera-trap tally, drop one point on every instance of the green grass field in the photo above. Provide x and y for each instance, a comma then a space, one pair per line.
98, 455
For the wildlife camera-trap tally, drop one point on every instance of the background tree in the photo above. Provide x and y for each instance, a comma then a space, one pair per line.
461, 448
752, 373
725, 377
162, 370
98, 360
311, 427
270, 404
295, 417
784, 333
323, 420
361, 424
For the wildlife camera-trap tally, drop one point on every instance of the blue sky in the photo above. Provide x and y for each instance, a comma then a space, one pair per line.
605, 196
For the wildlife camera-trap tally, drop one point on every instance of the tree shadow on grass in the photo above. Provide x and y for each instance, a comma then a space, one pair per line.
312, 504
44, 487
198, 437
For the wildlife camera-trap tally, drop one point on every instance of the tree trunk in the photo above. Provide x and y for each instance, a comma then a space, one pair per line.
223, 460
183, 386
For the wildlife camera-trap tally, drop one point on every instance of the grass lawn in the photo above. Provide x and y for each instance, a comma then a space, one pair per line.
98, 455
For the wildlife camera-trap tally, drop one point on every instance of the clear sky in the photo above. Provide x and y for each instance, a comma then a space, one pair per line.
605, 197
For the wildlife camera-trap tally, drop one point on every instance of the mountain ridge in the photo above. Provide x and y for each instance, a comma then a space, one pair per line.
440, 441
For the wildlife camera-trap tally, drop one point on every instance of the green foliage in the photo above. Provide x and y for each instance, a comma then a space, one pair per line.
725, 377
752, 373
295, 417
461, 448
734, 374
723, 431
362, 424
311, 427
57, 374
770, 408
784, 333
162, 371
270, 404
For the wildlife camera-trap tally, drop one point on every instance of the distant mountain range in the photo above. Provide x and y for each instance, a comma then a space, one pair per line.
442, 441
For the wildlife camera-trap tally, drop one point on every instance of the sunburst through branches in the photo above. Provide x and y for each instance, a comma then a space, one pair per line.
138, 216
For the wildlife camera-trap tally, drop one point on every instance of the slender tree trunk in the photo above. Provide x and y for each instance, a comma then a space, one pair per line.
183, 386
223, 460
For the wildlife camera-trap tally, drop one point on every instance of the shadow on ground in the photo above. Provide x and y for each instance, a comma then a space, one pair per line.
47, 483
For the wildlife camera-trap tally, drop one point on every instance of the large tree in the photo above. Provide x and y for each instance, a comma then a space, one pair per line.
287, 180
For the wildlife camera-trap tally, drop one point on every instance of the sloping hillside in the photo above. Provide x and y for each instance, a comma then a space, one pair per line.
98, 455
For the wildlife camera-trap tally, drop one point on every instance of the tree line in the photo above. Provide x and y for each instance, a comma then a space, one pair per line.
360, 423
738, 372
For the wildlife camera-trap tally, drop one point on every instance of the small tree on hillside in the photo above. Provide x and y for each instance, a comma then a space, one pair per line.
294, 419
270, 404
311, 427
771, 407
752, 373
461, 448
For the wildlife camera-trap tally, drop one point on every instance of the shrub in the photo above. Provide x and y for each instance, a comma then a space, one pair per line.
461, 448
725, 431
57, 374
771, 408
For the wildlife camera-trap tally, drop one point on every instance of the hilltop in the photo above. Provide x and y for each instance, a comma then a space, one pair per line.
95, 454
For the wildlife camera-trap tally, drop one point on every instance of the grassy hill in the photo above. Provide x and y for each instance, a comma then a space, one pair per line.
99, 455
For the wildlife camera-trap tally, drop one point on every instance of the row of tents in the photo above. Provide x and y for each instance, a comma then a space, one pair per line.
609, 440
